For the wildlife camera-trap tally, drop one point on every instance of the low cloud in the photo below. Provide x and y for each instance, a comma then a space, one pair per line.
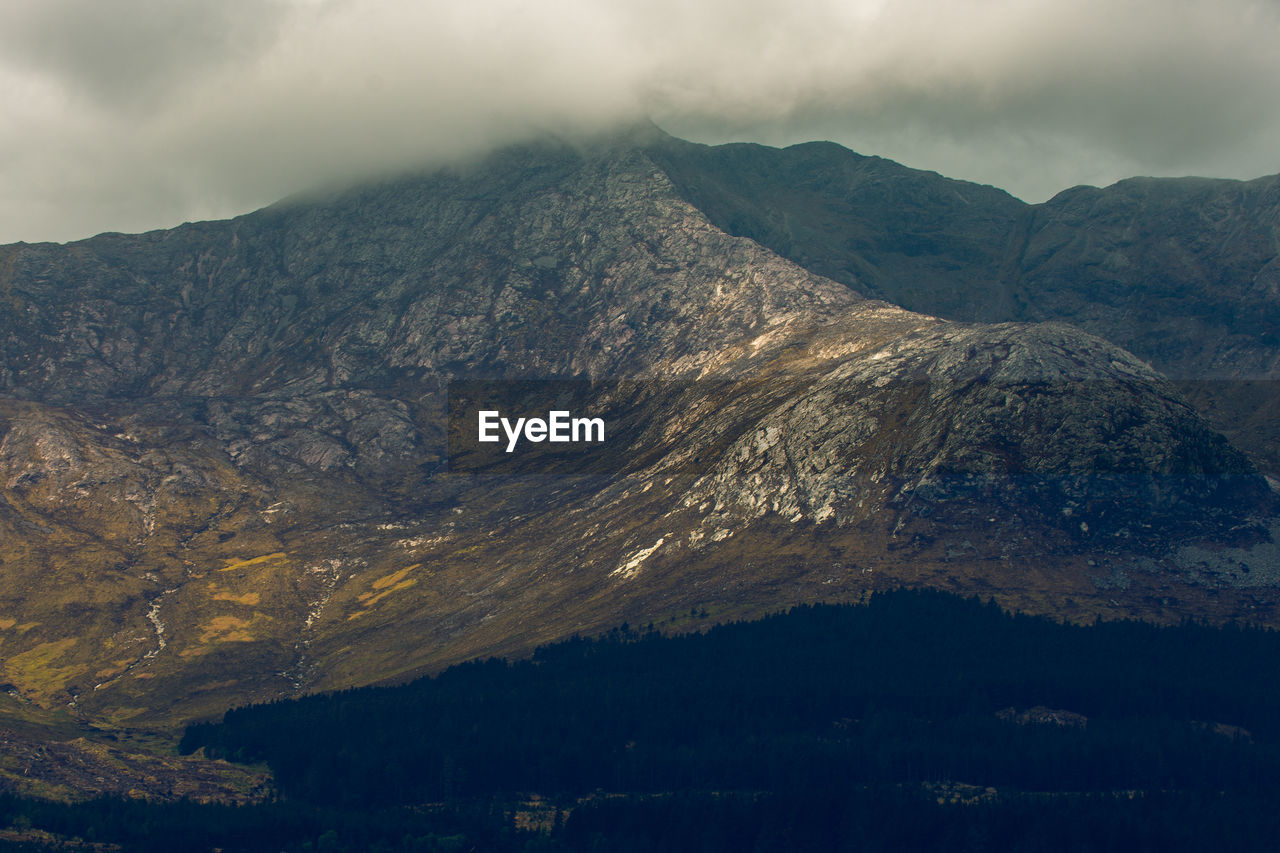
144, 113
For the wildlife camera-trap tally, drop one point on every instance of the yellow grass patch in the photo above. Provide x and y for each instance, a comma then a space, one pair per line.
221, 629
232, 565
6, 624
249, 598
369, 599
34, 668
226, 628
386, 585
394, 578
118, 667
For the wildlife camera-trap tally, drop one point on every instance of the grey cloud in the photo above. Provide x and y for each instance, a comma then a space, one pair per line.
126, 52
1033, 96
142, 113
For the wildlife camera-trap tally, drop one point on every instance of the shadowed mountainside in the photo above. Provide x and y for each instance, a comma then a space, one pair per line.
1184, 273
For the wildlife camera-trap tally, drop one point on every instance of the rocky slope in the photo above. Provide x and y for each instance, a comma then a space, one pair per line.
1185, 273
224, 447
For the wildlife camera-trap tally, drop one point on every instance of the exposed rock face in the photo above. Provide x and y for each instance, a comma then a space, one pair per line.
1058, 429
546, 262
1185, 273
224, 462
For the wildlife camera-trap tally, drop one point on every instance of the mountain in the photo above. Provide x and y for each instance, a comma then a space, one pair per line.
1184, 273
230, 471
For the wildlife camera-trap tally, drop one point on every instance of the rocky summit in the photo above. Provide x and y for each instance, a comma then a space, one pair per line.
228, 464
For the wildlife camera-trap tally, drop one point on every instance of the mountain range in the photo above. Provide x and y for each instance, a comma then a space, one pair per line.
227, 459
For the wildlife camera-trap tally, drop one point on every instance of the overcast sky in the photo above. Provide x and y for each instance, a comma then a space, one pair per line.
125, 115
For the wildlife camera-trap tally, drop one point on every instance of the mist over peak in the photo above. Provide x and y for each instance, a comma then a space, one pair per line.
143, 114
